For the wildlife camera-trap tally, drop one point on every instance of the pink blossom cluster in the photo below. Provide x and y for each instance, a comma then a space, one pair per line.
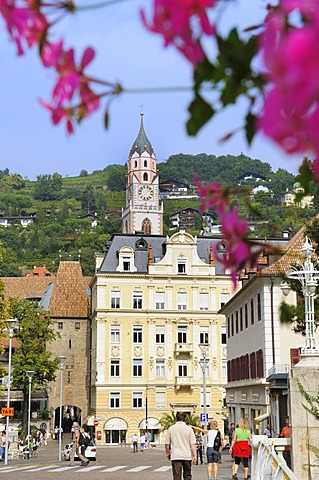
289, 45
240, 252
182, 23
72, 95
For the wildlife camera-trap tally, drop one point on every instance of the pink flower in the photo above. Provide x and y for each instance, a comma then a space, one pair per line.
174, 21
23, 24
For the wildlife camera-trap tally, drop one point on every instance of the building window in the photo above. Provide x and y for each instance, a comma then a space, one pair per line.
203, 301
115, 335
232, 324
181, 300
246, 315
115, 400
160, 368
224, 297
224, 368
208, 396
182, 334
137, 334
241, 319
160, 399
181, 267
115, 299
258, 307
69, 377
182, 368
126, 264
137, 300
137, 400
228, 327
204, 335
70, 343
252, 318
160, 333
223, 336
115, 368
159, 300
236, 321
137, 367
60, 325
77, 325
145, 177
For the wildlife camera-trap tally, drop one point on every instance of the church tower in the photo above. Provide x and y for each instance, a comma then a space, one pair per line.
143, 211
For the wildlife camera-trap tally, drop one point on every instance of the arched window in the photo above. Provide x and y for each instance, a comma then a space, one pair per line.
145, 177
146, 227
135, 164
145, 163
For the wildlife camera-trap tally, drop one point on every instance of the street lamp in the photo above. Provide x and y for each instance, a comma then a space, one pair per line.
61, 365
204, 347
308, 276
30, 374
11, 324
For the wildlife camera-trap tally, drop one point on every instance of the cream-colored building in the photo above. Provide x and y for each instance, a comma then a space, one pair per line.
154, 300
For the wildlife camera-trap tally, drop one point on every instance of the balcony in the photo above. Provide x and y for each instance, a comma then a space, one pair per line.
279, 368
184, 382
183, 348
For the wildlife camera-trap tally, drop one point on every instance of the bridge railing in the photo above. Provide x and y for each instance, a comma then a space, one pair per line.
268, 462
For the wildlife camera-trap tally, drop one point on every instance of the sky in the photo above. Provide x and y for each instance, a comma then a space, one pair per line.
127, 53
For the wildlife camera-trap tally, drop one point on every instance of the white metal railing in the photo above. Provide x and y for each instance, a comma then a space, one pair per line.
267, 459
279, 368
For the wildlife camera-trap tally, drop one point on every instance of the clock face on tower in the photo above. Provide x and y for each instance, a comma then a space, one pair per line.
145, 193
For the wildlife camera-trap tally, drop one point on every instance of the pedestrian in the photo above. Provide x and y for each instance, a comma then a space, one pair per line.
267, 431
240, 448
149, 439
134, 443
142, 442
180, 448
214, 443
285, 433
76, 447
199, 448
230, 433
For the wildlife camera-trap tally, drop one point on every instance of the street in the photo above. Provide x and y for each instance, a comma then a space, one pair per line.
113, 463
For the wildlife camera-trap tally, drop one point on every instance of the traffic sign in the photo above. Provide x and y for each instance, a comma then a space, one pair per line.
96, 422
203, 417
7, 411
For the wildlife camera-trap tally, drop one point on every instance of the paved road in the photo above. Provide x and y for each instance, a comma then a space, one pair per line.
113, 463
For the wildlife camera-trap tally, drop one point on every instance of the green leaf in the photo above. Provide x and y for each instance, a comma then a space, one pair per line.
200, 112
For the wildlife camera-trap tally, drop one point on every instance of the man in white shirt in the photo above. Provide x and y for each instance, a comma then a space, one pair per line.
180, 447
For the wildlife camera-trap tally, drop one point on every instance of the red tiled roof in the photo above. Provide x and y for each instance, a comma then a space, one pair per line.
40, 272
69, 298
26, 287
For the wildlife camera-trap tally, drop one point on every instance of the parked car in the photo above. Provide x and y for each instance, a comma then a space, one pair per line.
90, 451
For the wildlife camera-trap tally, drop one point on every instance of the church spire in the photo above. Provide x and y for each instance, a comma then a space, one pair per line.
142, 143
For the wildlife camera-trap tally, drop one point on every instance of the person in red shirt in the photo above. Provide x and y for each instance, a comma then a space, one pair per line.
285, 433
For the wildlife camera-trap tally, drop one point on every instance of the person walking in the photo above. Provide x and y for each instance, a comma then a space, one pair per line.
240, 448
76, 447
267, 431
180, 448
230, 433
142, 442
285, 433
134, 443
214, 443
199, 447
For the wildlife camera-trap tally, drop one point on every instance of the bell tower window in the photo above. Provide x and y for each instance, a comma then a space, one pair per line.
145, 177
145, 163
146, 227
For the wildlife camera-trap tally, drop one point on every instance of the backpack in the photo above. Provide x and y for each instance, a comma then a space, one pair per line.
84, 439
217, 441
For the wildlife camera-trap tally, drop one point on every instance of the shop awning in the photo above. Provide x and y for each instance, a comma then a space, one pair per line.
152, 423
115, 424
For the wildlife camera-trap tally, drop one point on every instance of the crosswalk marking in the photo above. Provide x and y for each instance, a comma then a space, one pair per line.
114, 469
163, 469
140, 468
89, 469
62, 469
38, 469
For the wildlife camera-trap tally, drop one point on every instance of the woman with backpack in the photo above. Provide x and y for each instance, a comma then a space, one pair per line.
214, 443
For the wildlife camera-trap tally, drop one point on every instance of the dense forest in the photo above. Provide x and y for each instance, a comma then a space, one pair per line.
61, 207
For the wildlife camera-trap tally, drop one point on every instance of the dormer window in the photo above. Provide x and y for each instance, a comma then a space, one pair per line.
126, 260
181, 266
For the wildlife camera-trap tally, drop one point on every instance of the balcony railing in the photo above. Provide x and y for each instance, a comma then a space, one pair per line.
184, 382
267, 459
183, 348
279, 368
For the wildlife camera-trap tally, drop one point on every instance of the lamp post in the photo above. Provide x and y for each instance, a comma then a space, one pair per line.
308, 276
11, 324
30, 374
204, 347
61, 365
146, 409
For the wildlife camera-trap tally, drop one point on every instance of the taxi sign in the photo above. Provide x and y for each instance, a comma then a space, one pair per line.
7, 411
